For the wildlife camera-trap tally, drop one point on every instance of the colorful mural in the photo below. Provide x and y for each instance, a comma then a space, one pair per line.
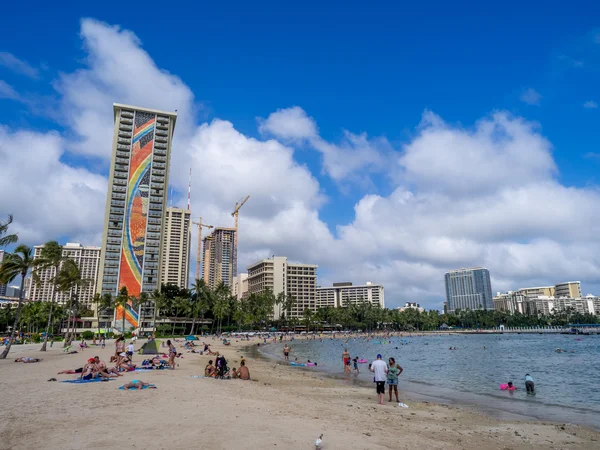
136, 211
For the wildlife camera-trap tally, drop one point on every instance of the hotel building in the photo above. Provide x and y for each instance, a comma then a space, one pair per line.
177, 239
136, 203
469, 289
345, 294
218, 256
280, 276
87, 260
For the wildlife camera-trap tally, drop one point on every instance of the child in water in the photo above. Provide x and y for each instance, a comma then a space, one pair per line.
355, 362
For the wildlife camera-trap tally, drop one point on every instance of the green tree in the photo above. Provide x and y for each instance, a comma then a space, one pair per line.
69, 280
5, 238
121, 300
15, 264
51, 257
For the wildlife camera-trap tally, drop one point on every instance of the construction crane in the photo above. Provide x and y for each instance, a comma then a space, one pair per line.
199, 250
235, 214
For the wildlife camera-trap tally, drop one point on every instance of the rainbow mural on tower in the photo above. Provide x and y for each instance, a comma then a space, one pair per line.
136, 212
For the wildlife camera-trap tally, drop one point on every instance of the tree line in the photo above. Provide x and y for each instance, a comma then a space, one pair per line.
218, 306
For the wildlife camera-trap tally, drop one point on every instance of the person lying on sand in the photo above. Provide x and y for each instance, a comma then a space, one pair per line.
70, 371
137, 384
27, 360
243, 373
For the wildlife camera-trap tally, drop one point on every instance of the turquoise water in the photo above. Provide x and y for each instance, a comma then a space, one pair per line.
567, 384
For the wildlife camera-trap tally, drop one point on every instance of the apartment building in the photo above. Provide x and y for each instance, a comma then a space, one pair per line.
218, 256
177, 239
281, 276
344, 294
87, 259
240, 286
469, 289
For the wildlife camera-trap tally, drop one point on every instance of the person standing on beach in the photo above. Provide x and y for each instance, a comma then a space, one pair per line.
346, 359
380, 369
172, 354
286, 352
392, 378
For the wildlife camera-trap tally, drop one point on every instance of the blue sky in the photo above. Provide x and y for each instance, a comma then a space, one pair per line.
349, 66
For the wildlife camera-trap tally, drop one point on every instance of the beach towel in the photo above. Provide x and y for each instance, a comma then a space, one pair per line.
134, 388
199, 376
80, 381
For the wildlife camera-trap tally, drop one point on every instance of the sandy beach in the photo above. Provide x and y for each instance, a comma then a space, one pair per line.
282, 407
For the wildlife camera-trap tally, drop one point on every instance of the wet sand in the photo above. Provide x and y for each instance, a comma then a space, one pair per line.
282, 407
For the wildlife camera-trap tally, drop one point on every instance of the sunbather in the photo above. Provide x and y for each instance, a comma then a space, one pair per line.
138, 384
27, 360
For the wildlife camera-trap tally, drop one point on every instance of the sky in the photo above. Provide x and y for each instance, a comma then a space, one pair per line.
386, 142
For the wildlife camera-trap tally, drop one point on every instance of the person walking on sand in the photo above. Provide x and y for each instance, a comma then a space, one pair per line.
286, 352
172, 354
380, 369
346, 359
392, 378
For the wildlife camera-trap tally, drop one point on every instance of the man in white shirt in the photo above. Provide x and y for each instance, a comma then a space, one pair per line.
380, 369
130, 350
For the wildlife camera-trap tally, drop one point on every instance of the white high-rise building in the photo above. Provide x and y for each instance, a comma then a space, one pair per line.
345, 294
240, 286
88, 262
176, 247
294, 279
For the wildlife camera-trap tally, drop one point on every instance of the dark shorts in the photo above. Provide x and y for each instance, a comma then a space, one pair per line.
80, 370
530, 386
88, 377
129, 353
380, 387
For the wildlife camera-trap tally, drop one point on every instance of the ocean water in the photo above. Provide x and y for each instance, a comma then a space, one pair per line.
567, 384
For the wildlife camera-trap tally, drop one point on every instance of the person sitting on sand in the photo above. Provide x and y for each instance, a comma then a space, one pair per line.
89, 370
243, 373
209, 370
137, 384
104, 370
27, 360
234, 373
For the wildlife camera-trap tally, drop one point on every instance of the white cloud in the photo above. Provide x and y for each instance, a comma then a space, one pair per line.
531, 97
289, 123
354, 158
117, 70
500, 151
590, 104
7, 91
482, 195
48, 197
17, 65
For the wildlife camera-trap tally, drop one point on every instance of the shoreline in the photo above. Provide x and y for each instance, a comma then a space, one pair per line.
282, 407
503, 408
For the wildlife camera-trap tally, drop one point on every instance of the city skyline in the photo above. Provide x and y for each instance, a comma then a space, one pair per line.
339, 174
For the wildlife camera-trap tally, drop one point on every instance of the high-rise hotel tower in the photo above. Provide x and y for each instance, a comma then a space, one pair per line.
135, 204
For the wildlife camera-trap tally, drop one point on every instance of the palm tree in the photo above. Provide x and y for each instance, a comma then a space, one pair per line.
121, 300
200, 300
7, 239
69, 280
15, 264
51, 257
158, 298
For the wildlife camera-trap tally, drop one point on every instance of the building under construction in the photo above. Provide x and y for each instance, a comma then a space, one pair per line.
219, 257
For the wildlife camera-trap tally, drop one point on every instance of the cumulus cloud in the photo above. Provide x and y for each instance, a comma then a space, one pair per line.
531, 97
590, 104
117, 70
353, 158
7, 91
501, 150
17, 65
486, 194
